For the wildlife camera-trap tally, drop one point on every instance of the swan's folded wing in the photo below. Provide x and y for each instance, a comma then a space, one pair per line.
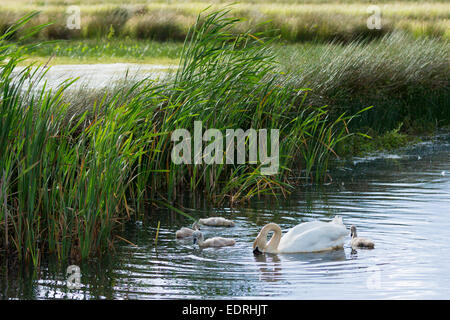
302, 228
321, 237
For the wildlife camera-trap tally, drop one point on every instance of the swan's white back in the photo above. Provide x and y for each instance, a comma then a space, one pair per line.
313, 236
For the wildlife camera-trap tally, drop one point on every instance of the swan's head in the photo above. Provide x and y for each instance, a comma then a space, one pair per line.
195, 226
261, 241
353, 232
258, 245
197, 236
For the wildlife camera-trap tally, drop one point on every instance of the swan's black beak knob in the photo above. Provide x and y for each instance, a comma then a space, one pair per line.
256, 251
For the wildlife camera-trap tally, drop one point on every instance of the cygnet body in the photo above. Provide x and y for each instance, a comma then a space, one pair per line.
216, 222
186, 232
358, 242
212, 242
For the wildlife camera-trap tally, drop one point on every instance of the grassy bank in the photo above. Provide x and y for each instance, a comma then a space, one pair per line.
404, 78
107, 51
70, 175
294, 21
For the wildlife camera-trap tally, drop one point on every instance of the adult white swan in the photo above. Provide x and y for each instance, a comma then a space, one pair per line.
311, 236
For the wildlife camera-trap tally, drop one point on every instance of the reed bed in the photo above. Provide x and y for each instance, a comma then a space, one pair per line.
407, 80
63, 184
70, 176
294, 21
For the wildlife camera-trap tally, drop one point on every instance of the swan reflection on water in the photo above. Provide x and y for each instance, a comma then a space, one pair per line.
271, 265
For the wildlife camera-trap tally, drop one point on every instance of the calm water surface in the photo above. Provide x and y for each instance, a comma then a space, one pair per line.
401, 201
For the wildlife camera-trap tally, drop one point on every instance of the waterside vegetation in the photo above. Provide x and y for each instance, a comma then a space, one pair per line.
69, 178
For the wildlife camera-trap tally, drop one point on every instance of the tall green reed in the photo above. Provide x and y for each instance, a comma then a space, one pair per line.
229, 81
64, 183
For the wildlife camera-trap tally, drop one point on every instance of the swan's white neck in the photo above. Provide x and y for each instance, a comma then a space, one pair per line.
272, 245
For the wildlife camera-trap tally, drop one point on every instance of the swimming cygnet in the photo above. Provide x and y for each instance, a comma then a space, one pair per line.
212, 242
187, 232
358, 242
216, 222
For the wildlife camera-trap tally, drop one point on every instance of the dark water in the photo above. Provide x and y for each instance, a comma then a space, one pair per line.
401, 201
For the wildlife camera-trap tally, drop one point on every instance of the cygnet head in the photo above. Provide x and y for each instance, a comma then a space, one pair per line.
353, 232
197, 236
195, 226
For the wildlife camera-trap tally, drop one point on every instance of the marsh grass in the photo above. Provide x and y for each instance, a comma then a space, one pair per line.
295, 22
406, 80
